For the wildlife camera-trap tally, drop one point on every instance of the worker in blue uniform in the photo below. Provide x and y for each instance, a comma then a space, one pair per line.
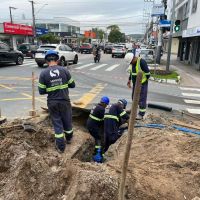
55, 81
114, 117
137, 64
95, 124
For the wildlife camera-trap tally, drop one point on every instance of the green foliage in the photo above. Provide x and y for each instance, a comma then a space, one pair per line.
99, 33
49, 38
113, 27
115, 36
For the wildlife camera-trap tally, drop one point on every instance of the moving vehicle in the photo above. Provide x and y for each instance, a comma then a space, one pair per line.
66, 54
108, 48
28, 50
9, 55
118, 51
147, 55
86, 48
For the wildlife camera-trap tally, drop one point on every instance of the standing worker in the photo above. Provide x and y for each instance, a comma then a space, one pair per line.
55, 81
113, 119
138, 64
95, 124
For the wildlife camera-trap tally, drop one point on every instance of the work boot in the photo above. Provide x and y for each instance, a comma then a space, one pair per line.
139, 117
68, 137
60, 145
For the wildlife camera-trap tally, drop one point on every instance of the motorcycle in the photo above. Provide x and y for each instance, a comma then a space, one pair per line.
97, 57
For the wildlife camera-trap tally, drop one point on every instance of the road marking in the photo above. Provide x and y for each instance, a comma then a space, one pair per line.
15, 78
6, 87
191, 95
30, 96
190, 89
190, 101
88, 97
98, 67
84, 66
193, 111
112, 67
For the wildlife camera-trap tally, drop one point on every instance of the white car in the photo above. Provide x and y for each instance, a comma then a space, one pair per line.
118, 50
66, 54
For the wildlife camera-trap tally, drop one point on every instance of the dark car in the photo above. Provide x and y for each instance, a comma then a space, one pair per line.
86, 48
9, 55
28, 50
108, 49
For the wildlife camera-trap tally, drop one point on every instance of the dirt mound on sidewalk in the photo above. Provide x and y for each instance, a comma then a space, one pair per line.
164, 164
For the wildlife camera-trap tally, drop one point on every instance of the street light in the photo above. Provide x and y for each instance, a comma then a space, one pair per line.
10, 9
41, 8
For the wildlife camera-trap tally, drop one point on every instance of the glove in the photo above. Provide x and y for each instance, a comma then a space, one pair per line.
60, 144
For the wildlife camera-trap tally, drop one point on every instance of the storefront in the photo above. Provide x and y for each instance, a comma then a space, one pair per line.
15, 34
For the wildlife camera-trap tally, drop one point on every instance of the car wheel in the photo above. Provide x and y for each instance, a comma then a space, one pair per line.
20, 60
112, 56
33, 56
40, 64
75, 59
81, 52
62, 62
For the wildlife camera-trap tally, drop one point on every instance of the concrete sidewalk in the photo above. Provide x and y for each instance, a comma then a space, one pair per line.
190, 77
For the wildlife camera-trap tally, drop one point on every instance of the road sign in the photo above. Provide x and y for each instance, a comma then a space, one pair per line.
41, 31
164, 23
157, 10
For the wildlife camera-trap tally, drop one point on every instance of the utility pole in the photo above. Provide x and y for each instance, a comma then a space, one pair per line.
170, 36
13, 41
33, 17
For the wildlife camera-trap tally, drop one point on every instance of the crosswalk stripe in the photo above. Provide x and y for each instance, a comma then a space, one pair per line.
112, 67
98, 67
191, 94
190, 89
193, 111
84, 66
192, 101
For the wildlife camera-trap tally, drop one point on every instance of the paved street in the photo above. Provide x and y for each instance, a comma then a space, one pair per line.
109, 77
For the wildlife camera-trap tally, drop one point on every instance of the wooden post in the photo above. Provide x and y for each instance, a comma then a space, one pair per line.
130, 136
33, 112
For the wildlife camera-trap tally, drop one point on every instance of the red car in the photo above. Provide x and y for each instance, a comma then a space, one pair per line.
86, 48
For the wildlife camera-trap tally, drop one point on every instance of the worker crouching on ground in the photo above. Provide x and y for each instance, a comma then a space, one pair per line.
114, 117
55, 81
95, 124
138, 64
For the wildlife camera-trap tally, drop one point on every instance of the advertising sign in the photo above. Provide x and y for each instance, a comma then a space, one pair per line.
192, 32
157, 10
164, 23
90, 34
17, 29
41, 31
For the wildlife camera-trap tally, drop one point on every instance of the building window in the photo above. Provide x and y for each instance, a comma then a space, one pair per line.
53, 27
194, 6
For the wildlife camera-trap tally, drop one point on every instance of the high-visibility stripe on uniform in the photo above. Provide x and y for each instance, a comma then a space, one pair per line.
59, 135
40, 85
97, 147
57, 87
71, 81
111, 117
122, 114
95, 118
69, 132
142, 110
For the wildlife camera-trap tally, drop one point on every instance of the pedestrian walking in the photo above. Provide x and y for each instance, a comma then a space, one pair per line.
137, 64
55, 81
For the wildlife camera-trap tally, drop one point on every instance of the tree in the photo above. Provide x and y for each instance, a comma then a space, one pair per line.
49, 38
115, 36
113, 27
99, 33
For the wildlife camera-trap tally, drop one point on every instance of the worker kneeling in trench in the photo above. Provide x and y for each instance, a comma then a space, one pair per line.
104, 125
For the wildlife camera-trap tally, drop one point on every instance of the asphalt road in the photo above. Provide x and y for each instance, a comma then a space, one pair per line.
109, 77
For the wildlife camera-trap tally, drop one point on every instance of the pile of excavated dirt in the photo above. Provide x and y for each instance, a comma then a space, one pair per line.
164, 164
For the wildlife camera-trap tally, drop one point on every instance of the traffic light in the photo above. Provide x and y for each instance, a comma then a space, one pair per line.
177, 26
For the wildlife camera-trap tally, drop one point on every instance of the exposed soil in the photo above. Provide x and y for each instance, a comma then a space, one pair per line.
164, 164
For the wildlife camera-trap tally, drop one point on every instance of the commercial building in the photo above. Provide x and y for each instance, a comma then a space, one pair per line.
186, 41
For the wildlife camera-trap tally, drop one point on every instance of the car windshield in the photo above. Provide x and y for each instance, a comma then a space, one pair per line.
85, 44
48, 47
146, 52
22, 47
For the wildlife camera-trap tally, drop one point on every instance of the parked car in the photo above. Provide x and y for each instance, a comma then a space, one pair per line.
9, 55
118, 51
66, 54
147, 55
28, 50
86, 48
108, 48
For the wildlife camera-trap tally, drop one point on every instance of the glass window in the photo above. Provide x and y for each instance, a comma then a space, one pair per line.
4, 47
62, 48
68, 48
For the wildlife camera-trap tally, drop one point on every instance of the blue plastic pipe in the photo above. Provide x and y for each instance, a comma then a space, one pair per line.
186, 130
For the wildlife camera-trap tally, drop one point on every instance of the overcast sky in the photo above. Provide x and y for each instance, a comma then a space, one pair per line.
127, 13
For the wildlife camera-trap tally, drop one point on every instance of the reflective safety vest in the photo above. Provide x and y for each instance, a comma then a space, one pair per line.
95, 118
137, 69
